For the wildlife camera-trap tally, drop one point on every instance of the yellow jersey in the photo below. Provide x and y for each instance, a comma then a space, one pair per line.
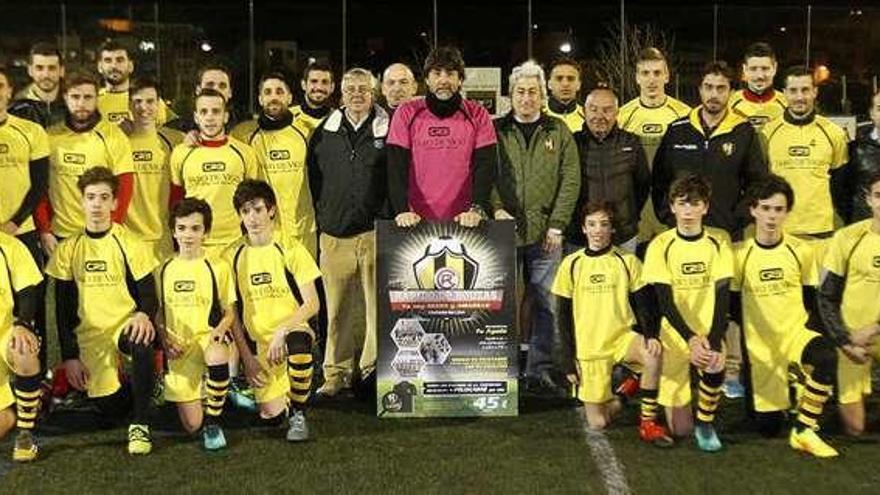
21, 142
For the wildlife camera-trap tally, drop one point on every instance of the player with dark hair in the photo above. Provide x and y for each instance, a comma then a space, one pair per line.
116, 66
41, 101
105, 302
758, 101
690, 267
317, 86
564, 83
275, 282
197, 310
606, 318
774, 301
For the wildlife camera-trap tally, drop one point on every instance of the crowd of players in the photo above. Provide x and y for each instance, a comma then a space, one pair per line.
695, 246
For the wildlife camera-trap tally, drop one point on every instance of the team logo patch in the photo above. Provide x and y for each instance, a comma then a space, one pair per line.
213, 167
548, 144
262, 278
446, 266
74, 158
652, 128
438, 131
92, 266
142, 156
117, 116
770, 274
4, 148
279, 155
597, 278
693, 268
798, 151
727, 148
185, 286
876, 262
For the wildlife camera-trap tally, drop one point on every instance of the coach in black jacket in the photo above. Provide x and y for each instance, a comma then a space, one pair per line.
864, 161
716, 143
348, 179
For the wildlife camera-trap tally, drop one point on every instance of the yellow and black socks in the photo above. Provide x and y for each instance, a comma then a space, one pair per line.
649, 405
299, 367
708, 396
27, 401
216, 388
820, 357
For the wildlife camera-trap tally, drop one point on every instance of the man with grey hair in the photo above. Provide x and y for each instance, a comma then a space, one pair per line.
614, 168
398, 86
348, 180
537, 187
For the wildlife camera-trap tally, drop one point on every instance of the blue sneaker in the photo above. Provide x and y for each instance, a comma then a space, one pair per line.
242, 395
707, 439
213, 438
733, 389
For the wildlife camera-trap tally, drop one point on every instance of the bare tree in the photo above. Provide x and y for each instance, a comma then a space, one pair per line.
619, 71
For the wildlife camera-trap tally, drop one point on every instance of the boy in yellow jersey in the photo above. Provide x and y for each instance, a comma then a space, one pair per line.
275, 281
197, 308
151, 151
280, 143
647, 116
691, 267
105, 301
848, 296
20, 280
564, 82
116, 65
24, 165
758, 102
809, 151
606, 317
79, 143
318, 87
773, 299
213, 168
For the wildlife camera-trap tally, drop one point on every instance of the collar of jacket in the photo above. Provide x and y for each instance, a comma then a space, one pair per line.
791, 119
267, 123
608, 137
316, 113
379, 123
764, 97
85, 127
726, 125
508, 121
558, 107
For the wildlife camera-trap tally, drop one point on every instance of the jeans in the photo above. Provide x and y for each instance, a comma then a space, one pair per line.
539, 269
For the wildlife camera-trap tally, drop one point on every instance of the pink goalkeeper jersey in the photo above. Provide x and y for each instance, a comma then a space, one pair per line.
440, 176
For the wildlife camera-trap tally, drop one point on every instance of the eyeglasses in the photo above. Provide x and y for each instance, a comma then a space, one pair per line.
354, 90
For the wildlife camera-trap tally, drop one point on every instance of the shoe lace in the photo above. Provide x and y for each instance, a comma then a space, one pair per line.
138, 434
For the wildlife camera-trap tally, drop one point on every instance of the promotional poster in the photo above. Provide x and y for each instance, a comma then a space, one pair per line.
447, 339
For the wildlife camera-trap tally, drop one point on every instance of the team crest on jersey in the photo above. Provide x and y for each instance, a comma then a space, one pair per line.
799, 151
213, 167
770, 274
728, 148
876, 262
652, 128
74, 158
185, 286
438, 131
142, 156
693, 268
598, 278
261, 278
279, 155
446, 266
4, 148
92, 266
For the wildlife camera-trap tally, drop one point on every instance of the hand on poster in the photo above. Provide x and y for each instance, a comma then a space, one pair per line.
470, 218
407, 219
503, 215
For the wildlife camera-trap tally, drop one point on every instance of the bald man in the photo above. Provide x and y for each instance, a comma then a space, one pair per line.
398, 85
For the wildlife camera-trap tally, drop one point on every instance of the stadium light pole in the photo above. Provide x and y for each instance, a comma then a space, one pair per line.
158, 44
623, 46
529, 29
715, 32
809, 32
63, 8
251, 55
344, 35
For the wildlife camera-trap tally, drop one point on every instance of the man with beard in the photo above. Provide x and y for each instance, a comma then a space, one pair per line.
758, 101
713, 142
212, 169
218, 78
41, 100
281, 143
84, 140
115, 64
613, 168
809, 151
564, 84
864, 155
442, 154
399, 85
347, 171
317, 86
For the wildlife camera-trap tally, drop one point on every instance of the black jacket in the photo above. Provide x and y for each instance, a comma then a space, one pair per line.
731, 158
864, 161
348, 173
616, 170
45, 114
